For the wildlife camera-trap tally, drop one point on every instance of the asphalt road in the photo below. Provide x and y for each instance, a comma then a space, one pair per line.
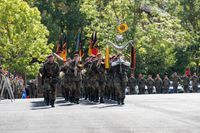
172, 113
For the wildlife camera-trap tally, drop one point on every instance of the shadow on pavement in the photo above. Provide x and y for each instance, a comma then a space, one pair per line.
60, 101
38, 104
40, 108
86, 102
67, 104
108, 106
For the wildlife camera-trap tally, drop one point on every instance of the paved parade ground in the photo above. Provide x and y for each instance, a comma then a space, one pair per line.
171, 113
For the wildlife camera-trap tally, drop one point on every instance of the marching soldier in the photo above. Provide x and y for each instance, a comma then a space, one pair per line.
166, 84
50, 73
132, 82
158, 84
120, 80
195, 82
85, 77
95, 80
66, 80
75, 80
101, 77
91, 78
150, 84
186, 82
141, 84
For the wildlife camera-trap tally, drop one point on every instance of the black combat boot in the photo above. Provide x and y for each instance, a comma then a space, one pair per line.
118, 101
46, 100
101, 100
52, 103
77, 101
122, 101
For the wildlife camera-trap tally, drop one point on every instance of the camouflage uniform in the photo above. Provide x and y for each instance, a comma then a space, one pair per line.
109, 85
141, 85
175, 82
50, 75
150, 84
75, 82
33, 90
94, 82
120, 82
86, 80
186, 82
166, 84
132, 82
66, 81
158, 85
102, 82
195, 82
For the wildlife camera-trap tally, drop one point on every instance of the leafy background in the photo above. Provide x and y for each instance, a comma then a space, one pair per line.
166, 32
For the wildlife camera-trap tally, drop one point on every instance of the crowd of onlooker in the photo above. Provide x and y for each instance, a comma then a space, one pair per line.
14, 82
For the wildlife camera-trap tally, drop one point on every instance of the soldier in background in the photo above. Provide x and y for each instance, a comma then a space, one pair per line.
50, 74
175, 82
141, 84
186, 82
132, 82
33, 89
158, 84
195, 82
166, 84
150, 84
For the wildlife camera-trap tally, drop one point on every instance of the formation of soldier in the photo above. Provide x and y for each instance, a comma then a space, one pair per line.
162, 85
89, 80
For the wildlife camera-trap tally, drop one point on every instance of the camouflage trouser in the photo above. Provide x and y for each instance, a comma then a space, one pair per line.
66, 91
65, 85
141, 90
186, 88
119, 90
132, 90
150, 90
165, 90
33, 93
102, 89
175, 87
195, 88
49, 91
74, 92
159, 90
95, 91
108, 90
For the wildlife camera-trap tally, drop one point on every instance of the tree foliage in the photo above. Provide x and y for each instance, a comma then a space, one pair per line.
157, 33
166, 32
23, 41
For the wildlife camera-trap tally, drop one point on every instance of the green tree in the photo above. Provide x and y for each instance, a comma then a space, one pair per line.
23, 41
60, 15
157, 33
